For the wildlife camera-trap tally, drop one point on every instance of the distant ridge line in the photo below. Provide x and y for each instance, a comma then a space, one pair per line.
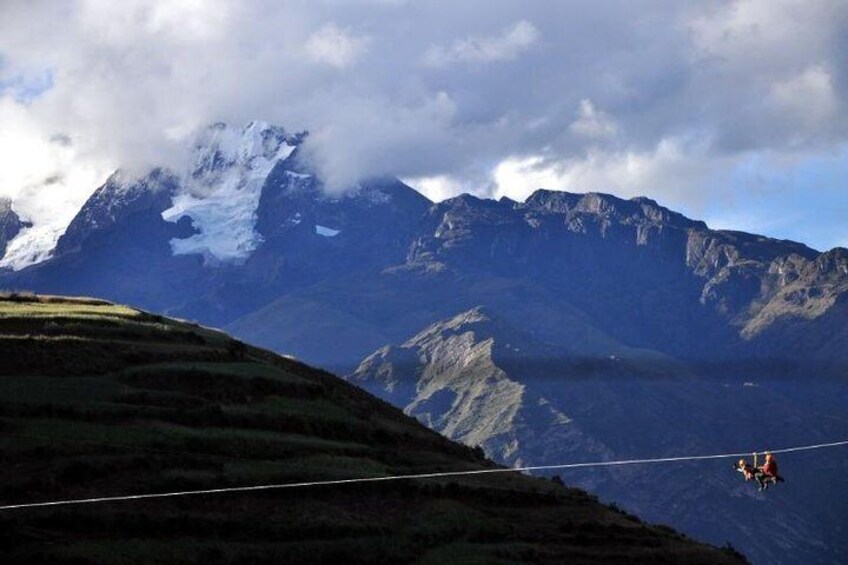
407, 477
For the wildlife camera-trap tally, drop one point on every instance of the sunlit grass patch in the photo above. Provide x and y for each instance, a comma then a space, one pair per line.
48, 309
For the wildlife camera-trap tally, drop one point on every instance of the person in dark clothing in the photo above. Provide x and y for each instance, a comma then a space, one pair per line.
750, 471
765, 475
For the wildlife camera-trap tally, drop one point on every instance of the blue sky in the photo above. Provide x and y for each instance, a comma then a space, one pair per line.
733, 111
807, 202
24, 88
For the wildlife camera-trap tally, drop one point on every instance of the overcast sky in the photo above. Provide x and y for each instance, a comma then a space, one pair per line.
730, 111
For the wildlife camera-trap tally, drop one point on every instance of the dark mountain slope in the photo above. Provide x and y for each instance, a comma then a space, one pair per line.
360, 314
593, 274
102, 400
118, 246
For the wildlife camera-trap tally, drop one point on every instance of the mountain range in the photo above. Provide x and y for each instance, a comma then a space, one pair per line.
565, 327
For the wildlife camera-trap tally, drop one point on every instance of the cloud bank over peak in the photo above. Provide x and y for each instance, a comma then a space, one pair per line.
702, 106
335, 46
504, 47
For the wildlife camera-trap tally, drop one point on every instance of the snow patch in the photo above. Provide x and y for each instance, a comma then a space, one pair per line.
326, 232
371, 195
32, 245
221, 191
378, 197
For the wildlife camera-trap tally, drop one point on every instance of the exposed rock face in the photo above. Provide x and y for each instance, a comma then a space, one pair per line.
322, 234
649, 277
10, 224
451, 377
117, 204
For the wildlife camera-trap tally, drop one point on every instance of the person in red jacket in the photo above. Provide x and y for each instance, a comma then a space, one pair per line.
770, 467
767, 474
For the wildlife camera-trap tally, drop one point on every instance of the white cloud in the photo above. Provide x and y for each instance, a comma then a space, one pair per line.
778, 62
809, 97
335, 46
678, 172
748, 34
376, 137
436, 188
44, 175
442, 187
46, 179
591, 122
129, 21
657, 98
504, 47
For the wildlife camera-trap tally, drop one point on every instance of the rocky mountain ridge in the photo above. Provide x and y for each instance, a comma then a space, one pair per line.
10, 224
629, 273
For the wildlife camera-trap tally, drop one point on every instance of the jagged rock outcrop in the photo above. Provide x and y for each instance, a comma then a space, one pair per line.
649, 277
10, 224
456, 376
122, 201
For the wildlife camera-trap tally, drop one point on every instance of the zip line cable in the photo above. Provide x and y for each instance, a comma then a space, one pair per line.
408, 477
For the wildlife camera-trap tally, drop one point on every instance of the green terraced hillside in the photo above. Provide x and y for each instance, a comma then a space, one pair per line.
98, 399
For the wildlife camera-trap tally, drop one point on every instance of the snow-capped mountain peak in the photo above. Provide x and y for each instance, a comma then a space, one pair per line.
225, 198
222, 146
222, 185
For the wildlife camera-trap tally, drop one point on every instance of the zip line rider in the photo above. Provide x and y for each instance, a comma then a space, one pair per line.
765, 475
769, 471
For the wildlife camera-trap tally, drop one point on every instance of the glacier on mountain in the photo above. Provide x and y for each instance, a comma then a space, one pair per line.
32, 245
220, 193
220, 187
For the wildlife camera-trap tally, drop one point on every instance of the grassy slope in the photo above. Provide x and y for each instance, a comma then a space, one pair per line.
98, 399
